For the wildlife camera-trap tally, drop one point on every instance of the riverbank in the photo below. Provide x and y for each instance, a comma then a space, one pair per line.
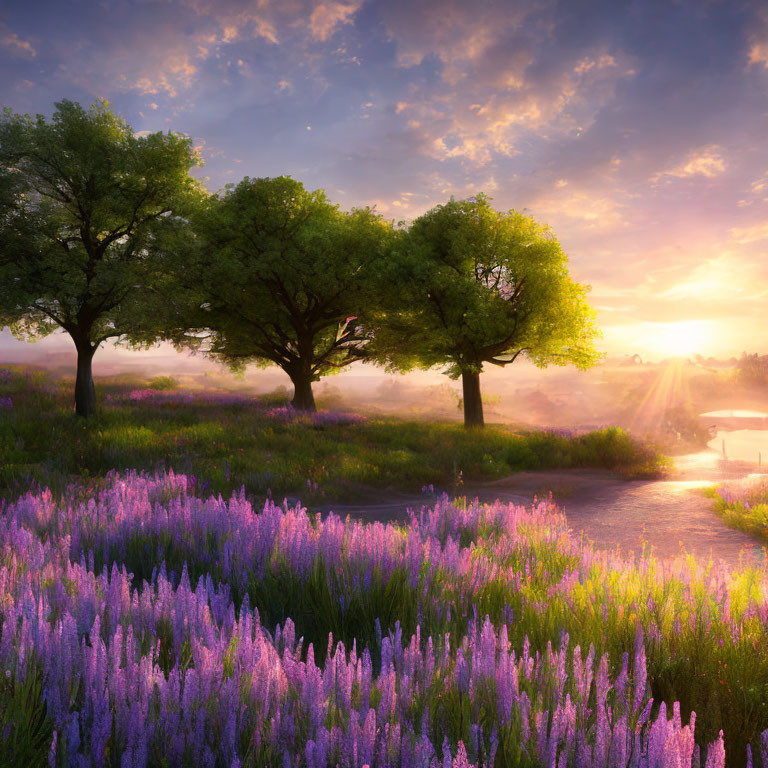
670, 516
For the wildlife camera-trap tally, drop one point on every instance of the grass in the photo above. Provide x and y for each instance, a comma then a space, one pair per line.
743, 505
24, 724
232, 442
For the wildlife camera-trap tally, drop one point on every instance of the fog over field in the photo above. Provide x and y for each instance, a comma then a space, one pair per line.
664, 399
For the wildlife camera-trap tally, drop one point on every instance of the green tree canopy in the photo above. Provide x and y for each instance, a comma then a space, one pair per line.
84, 206
470, 285
282, 277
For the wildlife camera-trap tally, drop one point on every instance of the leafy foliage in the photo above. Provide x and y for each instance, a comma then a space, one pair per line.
470, 285
163, 383
280, 276
84, 205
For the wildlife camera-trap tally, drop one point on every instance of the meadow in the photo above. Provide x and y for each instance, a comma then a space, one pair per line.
744, 505
162, 615
229, 440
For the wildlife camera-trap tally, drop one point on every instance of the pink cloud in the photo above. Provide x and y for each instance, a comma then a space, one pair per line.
757, 52
707, 162
494, 90
15, 45
327, 16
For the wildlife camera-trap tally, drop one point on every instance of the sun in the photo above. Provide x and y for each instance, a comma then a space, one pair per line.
681, 338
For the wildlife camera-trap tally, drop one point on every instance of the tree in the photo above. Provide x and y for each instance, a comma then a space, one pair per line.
84, 205
282, 277
752, 369
470, 285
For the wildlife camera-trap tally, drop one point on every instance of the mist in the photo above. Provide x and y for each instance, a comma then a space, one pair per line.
663, 400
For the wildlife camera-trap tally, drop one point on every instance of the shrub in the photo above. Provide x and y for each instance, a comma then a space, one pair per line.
163, 383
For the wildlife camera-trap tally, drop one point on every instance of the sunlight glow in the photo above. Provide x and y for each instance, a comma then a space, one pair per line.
679, 339
668, 390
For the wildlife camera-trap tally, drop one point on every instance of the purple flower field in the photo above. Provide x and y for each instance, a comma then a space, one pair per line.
172, 630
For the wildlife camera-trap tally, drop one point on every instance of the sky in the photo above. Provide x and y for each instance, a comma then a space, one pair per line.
636, 130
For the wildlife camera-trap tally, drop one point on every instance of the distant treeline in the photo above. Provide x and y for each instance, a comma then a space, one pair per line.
753, 369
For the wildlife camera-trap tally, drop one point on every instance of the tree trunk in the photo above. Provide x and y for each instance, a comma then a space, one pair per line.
473, 403
85, 393
303, 399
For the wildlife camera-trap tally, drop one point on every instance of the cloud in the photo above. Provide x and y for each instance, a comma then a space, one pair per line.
15, 45
706, 281
501, 75
177, 72
750, 234
758, 54
327, 16
758, 192
450, 30
479, 120
176, 53
592, 208
272, 19
760, 185
228, 21
148, 50
707, 162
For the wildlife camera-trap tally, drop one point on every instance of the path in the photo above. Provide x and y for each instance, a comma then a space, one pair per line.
669, 514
